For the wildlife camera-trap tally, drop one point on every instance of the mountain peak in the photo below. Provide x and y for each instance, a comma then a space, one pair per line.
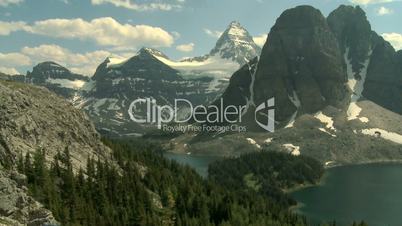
51, 64
153, 52
237, 44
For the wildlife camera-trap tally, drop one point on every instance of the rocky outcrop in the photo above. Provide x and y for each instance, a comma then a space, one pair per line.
18, 208
33, 118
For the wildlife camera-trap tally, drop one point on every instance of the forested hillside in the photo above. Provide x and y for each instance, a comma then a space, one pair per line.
147, 189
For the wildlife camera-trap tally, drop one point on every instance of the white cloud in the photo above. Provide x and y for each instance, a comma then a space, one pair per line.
7, 27
260, 40
4, 3
14, 60
105, 31
150, 6
211, 33
384, 11
186, 47
368, 2
9, 70
394, 38
176, 35
83, 63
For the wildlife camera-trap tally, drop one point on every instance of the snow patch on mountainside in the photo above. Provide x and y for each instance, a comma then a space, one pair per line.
268, 140
328, 121
250, 100
213, 66
394, 137
115, 62
355, 84
325, 131
292, 120
292, 149
65, 83
296, 102
253, 142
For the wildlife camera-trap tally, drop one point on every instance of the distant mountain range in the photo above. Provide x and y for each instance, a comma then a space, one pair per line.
150, 73
337, 87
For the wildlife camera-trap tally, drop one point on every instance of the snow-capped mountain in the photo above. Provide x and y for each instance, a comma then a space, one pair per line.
116, 83
150, 73
236, 44
234, 48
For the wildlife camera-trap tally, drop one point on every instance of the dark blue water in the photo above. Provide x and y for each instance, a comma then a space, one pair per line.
199, 163
372, 193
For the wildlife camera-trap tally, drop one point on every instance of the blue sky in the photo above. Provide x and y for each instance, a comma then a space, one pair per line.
81, 33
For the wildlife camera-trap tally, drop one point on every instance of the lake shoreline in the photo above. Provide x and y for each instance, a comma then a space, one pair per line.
338, 193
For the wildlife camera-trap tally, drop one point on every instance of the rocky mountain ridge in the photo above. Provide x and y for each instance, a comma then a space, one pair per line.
323, 84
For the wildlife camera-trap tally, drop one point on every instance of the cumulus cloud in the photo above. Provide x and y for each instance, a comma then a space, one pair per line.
394, 38
260, 40
213, 34
149, 6
9, 70
176, 35
368, 2
14, 59
186, 47
4, 3
82, 63
8, 27
105, 31
384, 11
9, 62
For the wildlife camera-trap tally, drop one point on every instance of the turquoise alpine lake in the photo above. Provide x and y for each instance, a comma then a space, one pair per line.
371, 192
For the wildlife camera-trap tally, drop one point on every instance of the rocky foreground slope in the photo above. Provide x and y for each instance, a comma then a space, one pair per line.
33, 118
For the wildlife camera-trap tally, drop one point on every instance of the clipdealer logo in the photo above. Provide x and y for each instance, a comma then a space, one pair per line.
147, 111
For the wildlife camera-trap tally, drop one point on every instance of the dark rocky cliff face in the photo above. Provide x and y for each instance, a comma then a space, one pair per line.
382, 76
301, 66
301, 59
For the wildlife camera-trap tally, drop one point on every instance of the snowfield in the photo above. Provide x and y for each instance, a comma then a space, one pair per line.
328, 121
394, 137
253, 142
292, 149
65, 83
355, 84
213, 66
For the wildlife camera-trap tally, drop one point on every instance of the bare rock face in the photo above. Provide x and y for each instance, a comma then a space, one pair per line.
33, 118
301, 61
17, 208
301, 67
365, 48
